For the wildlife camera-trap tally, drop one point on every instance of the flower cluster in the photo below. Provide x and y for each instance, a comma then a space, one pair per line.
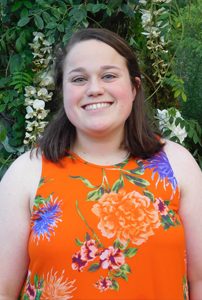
171, 124
35, 99
156, 26
51, 286
41, 50
36, 96
126, 216
104, 284
87, 253
45, 218
109, 258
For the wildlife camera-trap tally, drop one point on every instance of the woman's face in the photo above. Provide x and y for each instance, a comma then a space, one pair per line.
97, 91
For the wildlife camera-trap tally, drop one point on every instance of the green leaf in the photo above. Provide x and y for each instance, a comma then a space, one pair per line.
94, 267
118, 273
128, 10
61, 27
46, 17
96, 194
117, 244
40, 200
3, 132
115, 285
2, 108
149, 195
24, 13
137, 171
78, 242
7, 146
36, 280
3, 82
85, 181
124, 276
38, 22
51, 25
125, 268
118, 184
78, 14
38, 295
23, 21
28, 4
16, 5
15, 62
94, 8
25, 297
184, 97
137, 181
130, 252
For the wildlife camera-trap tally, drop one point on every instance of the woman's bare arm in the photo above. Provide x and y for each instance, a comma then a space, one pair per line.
189, 177
17, 189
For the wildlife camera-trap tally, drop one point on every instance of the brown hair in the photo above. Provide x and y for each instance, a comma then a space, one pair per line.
139, 139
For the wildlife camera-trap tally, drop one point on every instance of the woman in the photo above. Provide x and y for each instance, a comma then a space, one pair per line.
102, 213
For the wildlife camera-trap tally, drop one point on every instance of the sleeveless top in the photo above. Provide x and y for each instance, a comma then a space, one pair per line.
106, 232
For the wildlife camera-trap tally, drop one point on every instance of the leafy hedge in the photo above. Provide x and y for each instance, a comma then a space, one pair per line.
32, 29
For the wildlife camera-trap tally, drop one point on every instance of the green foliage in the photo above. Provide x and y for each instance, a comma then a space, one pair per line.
57, 20
187, 64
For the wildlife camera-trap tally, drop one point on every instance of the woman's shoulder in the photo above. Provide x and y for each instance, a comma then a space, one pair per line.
182, 162
23, 175
25, 164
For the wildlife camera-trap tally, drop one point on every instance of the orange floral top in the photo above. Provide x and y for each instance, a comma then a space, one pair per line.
107, 232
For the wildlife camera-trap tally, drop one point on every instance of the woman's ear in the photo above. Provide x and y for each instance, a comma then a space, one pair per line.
136, 85
137, 82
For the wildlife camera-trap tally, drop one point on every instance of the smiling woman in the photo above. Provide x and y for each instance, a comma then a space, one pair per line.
107, 210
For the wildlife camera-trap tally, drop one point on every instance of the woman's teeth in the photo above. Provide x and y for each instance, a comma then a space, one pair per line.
96, 105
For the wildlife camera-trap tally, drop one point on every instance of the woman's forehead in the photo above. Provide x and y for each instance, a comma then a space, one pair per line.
93, 51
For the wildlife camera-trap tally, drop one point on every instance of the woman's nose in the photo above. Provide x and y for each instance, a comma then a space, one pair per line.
94, 88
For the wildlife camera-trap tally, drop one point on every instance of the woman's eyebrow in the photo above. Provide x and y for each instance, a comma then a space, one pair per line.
105, 67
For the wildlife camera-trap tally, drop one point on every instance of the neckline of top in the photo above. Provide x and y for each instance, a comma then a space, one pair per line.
75, 156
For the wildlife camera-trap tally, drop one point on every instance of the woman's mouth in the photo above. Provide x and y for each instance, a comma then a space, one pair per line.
94, 106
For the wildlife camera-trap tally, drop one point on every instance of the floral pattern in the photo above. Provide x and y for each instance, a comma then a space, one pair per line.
126, 217
52, 287
46, 215
117, 215
129, 219
161, 166
111, 259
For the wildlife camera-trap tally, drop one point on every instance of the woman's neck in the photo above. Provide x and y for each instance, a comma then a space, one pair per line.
100, 150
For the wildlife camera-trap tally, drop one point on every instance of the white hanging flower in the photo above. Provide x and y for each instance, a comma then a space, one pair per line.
46, 79
42, 92
35, 97
38, 36
30, 112
43, 114
146, 17
144, 2
38, 104
28, 101
30, 91
179, 132
165, 116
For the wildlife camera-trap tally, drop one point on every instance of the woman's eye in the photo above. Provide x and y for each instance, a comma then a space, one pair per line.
109, 76
79, 80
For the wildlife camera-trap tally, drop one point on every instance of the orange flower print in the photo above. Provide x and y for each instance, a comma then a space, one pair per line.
126, 216
56, 288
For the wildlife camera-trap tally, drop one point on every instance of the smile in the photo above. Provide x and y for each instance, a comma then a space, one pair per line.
95, 106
